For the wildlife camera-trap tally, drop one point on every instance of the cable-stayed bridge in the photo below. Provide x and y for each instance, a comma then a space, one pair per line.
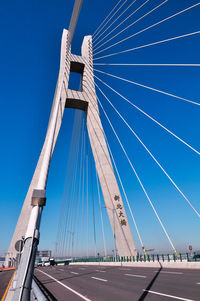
98, 220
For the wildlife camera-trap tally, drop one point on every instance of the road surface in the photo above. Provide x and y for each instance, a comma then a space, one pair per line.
4, 280
99, 283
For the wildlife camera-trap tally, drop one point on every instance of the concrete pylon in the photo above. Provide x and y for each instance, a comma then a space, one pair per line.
113, 201
84, 99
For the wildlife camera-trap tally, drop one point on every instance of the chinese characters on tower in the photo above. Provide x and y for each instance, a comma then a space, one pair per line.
119, 210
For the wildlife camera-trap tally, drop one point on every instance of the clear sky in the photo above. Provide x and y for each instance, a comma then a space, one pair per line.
29, 59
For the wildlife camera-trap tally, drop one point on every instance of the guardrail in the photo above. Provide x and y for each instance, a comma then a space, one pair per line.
186, 257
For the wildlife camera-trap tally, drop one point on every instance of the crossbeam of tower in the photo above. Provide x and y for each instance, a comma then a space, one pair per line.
85, 99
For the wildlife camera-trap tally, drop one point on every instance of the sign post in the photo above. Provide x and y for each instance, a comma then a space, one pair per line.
190, 248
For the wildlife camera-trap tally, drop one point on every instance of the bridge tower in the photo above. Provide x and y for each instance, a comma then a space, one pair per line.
85, 99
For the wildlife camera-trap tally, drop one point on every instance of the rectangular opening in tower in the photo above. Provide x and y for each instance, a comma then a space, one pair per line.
75, 81
75, 76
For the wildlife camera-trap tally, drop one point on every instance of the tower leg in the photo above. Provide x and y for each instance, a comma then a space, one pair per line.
41, 171
112, 197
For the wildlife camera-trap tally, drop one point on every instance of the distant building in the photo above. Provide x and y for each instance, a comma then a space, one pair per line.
43, 253
2, 259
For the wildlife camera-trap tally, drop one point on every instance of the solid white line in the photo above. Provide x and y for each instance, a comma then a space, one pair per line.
74, 273
170, 296
99, 279
198, 282
100, 271
139, 276
67, 287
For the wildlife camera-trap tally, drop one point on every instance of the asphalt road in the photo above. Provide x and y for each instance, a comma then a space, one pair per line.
4, 280
76, 282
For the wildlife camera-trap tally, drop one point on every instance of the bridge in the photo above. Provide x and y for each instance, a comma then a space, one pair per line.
132, 173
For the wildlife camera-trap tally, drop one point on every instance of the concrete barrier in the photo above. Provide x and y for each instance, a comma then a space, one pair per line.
7, 269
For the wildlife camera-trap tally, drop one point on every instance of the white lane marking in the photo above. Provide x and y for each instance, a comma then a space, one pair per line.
74, 273
61, 270
67, 287
99, 279
139, 276
81, 268
170, 296
177, 273
100, 271
198, 282
124, 269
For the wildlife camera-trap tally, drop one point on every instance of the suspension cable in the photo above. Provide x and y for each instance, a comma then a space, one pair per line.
153, 119
102, 224
121, 186
161, 167
138, 178
157, 65
151, 26
93, 208
147, 87
83, 193
124, 192
106, 17
96, 35
151, 44
108, 160
115, 20
143, 190
74, 144
79, 186
95, 44
130, 25
87, 184
120, 183
126, 196
65, 205
74, 196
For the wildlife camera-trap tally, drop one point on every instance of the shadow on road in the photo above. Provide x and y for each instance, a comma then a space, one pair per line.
146, 291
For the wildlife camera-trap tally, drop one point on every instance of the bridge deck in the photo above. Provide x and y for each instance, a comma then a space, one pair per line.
5, 277
119, 283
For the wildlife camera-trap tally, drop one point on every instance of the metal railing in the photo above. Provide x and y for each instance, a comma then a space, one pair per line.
179, 257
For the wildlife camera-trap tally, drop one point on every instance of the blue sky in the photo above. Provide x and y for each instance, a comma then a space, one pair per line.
29, 59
